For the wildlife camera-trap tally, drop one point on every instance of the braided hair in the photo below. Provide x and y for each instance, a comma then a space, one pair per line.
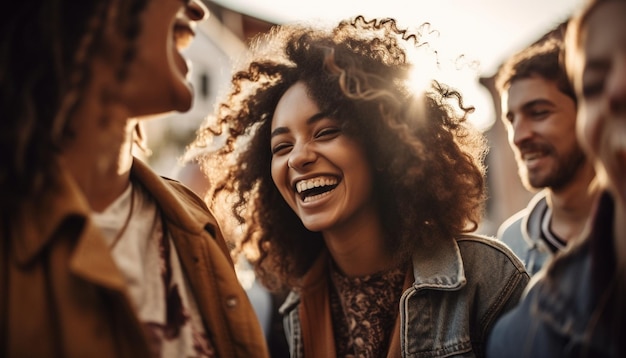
47, 48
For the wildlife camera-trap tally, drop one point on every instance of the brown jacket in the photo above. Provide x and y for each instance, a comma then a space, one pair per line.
61, 294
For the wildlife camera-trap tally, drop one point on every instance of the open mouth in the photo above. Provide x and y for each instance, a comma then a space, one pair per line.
533, 155
183, 34
533, 151
316, 188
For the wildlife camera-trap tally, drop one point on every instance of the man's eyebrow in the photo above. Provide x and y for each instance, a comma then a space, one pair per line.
314, 118
536, 102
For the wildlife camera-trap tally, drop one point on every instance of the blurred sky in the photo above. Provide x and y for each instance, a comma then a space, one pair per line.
485, 32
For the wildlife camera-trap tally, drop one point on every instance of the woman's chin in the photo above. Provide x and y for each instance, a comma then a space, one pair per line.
182, 97
179, 98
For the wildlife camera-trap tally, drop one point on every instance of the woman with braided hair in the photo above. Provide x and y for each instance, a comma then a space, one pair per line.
360, 195
99, 256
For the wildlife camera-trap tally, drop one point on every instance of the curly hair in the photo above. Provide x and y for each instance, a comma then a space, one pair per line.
543, 59
47, 49
432, 184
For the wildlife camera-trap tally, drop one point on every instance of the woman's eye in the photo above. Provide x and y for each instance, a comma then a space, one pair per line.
330, 132
592, 89
540, 113
280, 148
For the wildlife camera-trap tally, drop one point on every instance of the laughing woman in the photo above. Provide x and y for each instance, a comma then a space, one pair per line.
99, 256
360, 196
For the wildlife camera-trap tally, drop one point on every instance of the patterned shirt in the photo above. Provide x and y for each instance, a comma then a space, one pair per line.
364, 311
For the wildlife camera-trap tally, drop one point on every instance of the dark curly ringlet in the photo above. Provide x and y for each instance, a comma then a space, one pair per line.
428, 177
46, 51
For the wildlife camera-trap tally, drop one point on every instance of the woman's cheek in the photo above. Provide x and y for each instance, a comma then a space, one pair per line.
588, 129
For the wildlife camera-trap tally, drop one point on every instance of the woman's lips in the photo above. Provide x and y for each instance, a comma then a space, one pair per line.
183, 34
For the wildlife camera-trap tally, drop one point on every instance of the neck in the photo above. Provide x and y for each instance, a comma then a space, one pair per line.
572, 206
359, 249
99, 155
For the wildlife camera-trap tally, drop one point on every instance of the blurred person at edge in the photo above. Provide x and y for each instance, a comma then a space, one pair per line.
539, 113
99, 256
360, 195
576, 307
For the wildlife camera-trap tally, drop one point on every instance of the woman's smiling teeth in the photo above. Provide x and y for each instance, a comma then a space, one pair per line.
316, 188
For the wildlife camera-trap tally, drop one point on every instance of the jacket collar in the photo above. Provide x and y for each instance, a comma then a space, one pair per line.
63, 204
38, 219
436, 266
316, 325
439, 266
189, 214
63, 208
314, 279
531, 223
186, 214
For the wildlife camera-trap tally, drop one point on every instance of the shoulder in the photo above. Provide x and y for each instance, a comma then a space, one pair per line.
496, 278
521, 229
556, 305
475, 248
512, 225
565, 288
511, 233
195, 206
567, 268
514, 222
165, 190
490, 264
185, 194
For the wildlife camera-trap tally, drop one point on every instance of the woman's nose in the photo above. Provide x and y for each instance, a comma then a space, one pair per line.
616, 86
301, 156
196, 10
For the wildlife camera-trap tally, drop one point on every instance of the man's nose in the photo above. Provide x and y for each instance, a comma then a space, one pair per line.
520, 131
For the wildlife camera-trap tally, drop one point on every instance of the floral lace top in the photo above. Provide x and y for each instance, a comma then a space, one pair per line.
364, 311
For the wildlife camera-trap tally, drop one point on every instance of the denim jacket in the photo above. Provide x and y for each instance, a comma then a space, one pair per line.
557, 316
460, 287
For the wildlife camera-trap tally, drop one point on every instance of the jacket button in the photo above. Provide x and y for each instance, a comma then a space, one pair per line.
231, 302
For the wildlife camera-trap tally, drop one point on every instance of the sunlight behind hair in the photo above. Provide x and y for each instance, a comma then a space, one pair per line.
439, 59
485, 31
